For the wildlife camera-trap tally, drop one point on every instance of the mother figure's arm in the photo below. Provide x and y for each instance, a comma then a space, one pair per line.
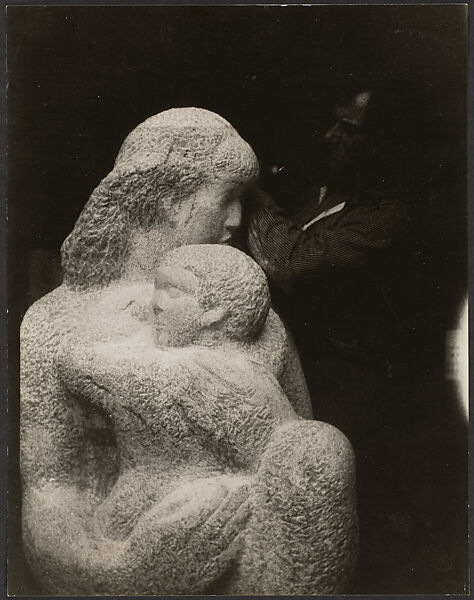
179, 544
51, 436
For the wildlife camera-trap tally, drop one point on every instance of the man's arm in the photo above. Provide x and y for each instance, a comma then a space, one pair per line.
288, 254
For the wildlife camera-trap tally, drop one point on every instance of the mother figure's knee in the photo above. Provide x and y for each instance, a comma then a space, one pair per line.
303, 530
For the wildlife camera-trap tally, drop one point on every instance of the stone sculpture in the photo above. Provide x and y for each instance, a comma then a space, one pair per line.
165, 443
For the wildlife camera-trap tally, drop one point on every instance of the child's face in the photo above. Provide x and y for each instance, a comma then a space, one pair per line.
176, 313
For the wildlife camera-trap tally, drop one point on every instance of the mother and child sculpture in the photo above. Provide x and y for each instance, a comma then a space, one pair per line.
167, 440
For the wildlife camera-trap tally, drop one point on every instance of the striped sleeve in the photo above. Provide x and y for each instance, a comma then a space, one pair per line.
290, 254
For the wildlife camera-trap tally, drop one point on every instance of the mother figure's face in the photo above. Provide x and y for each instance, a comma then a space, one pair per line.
212, 215
178, 179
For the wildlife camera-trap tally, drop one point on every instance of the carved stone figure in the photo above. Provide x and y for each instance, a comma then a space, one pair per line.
164, 446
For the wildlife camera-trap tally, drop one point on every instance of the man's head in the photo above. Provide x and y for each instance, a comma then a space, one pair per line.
208, 290
178, 179
347, 138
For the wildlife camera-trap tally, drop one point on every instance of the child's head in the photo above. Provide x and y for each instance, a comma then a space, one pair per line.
208, 288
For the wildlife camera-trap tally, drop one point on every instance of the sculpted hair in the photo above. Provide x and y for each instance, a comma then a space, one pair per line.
227, 278
161, 163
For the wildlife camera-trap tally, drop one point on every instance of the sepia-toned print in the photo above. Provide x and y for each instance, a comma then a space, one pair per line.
237, 300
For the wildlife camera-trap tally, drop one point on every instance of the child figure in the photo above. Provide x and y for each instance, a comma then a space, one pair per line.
190, 380
216, 302
214, 468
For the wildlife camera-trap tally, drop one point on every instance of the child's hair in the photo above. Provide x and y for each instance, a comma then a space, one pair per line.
228, 278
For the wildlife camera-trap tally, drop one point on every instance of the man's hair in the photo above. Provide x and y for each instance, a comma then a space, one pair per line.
230, 279
160, 164
387, 112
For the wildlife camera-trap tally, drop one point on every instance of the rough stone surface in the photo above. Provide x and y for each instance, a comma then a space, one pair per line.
165, 446
167, 188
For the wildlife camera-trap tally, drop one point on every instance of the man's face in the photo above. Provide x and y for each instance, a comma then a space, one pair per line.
176, 313
212, 215
346, 139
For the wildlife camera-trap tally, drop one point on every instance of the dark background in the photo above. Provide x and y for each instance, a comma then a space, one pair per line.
80, 78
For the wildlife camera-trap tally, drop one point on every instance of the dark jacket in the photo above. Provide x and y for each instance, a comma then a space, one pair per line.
332, 277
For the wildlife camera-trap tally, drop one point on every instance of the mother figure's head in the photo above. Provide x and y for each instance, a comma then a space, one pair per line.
178, 179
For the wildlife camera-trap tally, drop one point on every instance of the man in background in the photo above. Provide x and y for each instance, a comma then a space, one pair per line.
332, 264
334, 260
